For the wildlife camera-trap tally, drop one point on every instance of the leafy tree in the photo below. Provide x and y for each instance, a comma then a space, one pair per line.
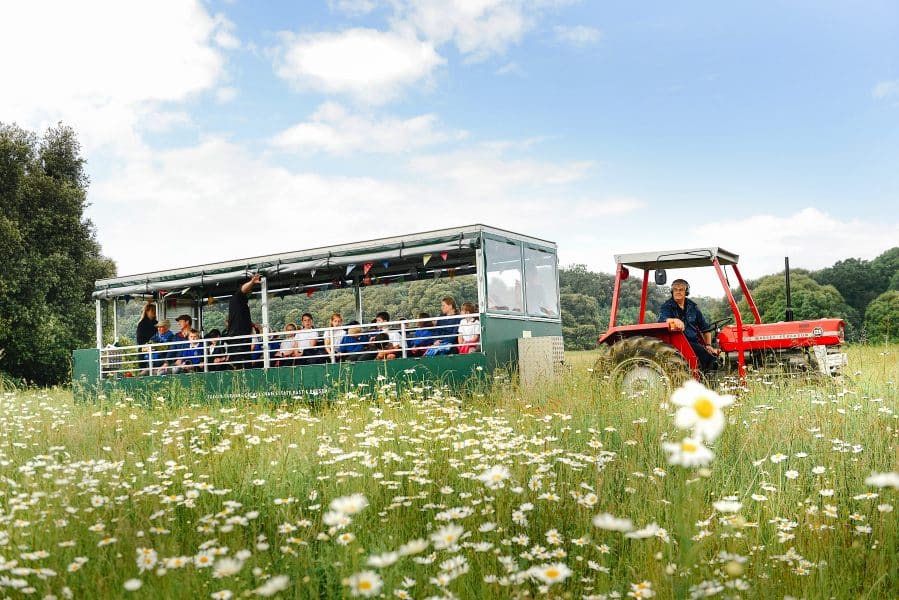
887, 268
580, 321
858, 281
811, 300
882, 318
49, 253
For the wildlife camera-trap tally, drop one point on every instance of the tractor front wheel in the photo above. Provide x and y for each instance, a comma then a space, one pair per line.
643, 364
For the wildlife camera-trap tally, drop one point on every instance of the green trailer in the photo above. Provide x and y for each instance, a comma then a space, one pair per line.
518, 319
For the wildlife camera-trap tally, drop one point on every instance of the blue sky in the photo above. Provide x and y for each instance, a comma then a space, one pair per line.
235, 129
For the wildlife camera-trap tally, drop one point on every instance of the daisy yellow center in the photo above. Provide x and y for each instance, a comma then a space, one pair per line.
704, 407
365, 584
688, 447
552, 573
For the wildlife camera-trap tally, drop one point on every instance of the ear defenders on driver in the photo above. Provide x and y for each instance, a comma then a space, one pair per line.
683, 282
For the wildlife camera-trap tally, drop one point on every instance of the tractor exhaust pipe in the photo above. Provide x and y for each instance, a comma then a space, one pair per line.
789, 315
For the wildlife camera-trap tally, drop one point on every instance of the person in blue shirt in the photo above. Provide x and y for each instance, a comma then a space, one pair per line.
352, 343
682, 314
422, 337
447, 330
163, 357
190, 357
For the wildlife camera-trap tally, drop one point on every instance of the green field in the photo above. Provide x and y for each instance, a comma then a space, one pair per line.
199, 501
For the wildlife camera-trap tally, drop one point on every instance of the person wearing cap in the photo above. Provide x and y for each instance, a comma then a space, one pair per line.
185, 323
162, 356
682, 314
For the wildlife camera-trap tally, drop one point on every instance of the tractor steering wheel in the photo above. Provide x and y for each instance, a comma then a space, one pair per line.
716, 325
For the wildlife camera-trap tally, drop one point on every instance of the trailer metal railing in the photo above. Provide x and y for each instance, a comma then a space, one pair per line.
407, 338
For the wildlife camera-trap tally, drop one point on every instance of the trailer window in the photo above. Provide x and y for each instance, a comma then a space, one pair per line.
504, 292
540, 283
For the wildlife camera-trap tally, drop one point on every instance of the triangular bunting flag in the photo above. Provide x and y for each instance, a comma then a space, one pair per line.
312, 273
366, 280
309, 291
367, 267
451, 273
443, 255
349, 268
425, 259
210, 301
386, 263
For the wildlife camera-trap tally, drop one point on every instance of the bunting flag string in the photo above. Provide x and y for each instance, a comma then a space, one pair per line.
425, 259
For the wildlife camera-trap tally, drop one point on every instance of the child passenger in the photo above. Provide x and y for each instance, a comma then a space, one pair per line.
469, 329
333, 337
190, 356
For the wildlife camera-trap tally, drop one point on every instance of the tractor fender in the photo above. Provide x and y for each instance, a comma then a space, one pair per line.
656, 330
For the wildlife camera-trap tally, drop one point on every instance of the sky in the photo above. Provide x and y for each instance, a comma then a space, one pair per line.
221, 130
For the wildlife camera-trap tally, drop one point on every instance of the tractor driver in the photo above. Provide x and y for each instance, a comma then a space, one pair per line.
682, 314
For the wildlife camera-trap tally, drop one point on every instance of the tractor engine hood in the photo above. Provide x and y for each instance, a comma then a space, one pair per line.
785, 334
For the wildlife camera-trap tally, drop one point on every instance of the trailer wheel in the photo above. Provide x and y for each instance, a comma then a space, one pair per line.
647, 364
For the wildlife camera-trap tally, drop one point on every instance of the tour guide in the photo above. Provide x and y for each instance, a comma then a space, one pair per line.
682, 314
239, 321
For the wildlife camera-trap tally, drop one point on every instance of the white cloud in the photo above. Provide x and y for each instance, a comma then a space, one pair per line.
334, 130
886, 89
372, 66
511, 68
225, 94
159, 121
238, 204
101, 66
578, 35
353, 8
478, 28
811, 238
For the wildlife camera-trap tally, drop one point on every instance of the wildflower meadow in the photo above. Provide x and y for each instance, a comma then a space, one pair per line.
785, 489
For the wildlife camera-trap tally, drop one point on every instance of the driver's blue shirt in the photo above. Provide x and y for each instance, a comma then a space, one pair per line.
690, 314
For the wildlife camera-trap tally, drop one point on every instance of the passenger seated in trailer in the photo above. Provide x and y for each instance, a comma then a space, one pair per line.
162, 357
256, 348
353, 343
469, 330
381, 347
309, 349
190, 358
394, 337
447, 331
185, 323
217, 351
332, 337
422, 336
287, 350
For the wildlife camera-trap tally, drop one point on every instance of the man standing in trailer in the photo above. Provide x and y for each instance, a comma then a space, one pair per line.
240, 323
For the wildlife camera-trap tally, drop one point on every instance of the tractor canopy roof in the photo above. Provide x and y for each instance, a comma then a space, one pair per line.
677, 259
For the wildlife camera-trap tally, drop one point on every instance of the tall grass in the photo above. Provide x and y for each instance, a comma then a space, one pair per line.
182, 477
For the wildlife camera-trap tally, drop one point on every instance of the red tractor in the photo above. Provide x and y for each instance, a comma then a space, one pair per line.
651, 354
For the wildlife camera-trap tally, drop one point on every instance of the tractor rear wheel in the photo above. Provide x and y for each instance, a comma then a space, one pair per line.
643, 364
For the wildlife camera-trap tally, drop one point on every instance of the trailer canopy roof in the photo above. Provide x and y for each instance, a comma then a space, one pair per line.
677, 259
393, 256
